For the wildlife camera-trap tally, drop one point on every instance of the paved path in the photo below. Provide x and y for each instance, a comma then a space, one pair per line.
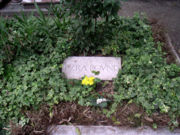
107, 130
167, 12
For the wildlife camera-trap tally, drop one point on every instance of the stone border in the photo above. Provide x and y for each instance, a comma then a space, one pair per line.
108, 130
27, 8
11, 13
39, 1
172, 49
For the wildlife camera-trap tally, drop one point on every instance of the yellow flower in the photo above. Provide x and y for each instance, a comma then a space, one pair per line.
88, 81
91, 78
91, 83
83, 82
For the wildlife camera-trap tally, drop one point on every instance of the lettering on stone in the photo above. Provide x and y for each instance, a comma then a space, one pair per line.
78, 67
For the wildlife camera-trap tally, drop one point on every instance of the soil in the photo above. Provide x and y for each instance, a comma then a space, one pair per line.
159, 35
74, 114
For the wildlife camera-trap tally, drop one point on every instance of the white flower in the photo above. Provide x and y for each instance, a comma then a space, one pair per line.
100, 100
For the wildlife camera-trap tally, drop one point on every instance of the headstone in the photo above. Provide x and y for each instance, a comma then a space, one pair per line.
104, 68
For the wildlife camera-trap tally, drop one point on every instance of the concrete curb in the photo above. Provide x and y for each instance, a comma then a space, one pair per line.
172, 49
10, 13
108, 130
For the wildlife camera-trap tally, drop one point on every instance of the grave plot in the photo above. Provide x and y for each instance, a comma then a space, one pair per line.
71, 68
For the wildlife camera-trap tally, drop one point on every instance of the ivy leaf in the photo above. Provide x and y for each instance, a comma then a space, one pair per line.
96, 72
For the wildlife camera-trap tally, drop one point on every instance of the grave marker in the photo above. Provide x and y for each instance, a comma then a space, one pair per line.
104, 68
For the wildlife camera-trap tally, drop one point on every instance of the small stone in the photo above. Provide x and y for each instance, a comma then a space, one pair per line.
78, 67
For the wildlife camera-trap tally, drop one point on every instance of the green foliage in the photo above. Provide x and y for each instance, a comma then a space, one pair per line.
87, 31
6, 47
155, 126
96, 72
147, 80
34, 48
92, 9
145, 77
34, 80
84, 94
77, 92
32, 77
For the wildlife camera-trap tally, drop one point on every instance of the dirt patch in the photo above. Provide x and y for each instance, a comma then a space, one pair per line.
129, 115
105, 88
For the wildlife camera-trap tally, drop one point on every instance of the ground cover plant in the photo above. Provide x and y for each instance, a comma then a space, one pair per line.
32, 50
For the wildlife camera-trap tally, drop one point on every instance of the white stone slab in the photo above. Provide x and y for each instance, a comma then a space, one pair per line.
39, 1
78, 67
108, 130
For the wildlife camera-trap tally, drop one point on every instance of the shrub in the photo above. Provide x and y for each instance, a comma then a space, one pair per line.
87, 31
